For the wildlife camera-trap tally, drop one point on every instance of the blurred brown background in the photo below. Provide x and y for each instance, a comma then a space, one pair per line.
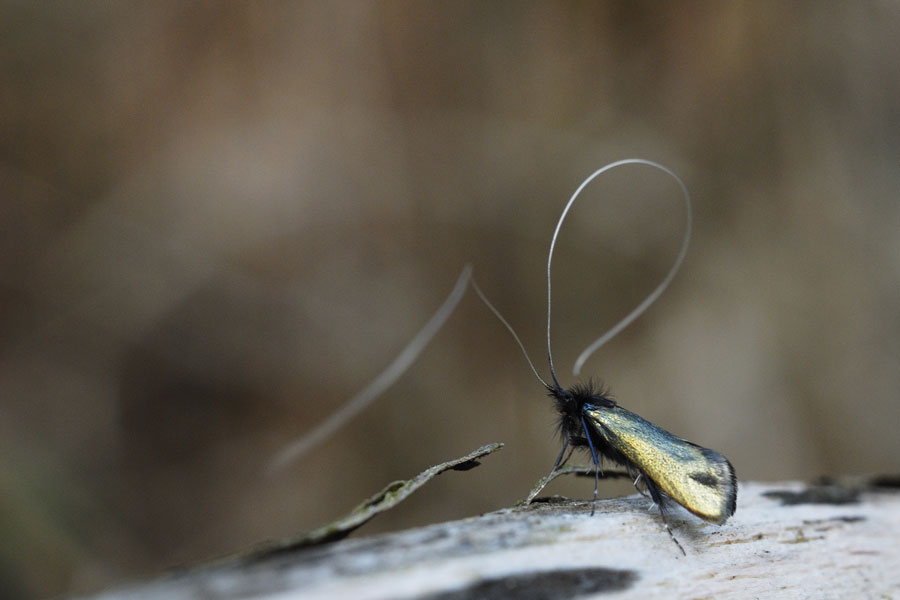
220, 220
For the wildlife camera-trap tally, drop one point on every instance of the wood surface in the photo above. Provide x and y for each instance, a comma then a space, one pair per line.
786, 540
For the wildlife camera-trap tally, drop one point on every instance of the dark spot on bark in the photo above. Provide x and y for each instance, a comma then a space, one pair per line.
885, 481
816, 494
570, 583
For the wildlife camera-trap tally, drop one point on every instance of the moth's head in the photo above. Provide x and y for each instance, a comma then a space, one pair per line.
570, 405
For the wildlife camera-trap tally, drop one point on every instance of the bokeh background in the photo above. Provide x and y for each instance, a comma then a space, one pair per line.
220, 220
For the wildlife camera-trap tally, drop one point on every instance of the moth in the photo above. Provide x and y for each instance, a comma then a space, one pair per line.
665, 466
669, 467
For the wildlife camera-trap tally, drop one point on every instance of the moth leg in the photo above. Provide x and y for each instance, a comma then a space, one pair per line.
640, 485
659, 500
596, 465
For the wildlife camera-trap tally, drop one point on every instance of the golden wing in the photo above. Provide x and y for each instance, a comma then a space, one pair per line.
699, 479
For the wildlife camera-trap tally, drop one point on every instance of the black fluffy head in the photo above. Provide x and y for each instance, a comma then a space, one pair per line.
570, 405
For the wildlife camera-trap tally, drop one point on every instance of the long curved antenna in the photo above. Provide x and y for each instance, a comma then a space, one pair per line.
643, 306
407, 356
509, 328
651, 298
